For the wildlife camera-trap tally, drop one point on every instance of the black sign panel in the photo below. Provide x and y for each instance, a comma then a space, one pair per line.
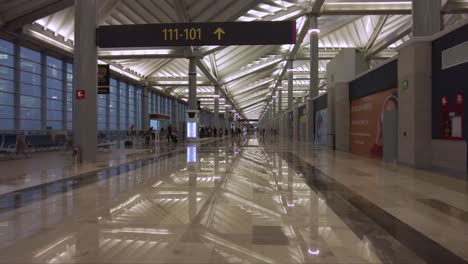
103, 79
247, 120
197, 34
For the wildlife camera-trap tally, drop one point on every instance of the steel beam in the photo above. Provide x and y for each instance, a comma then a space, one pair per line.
49, 8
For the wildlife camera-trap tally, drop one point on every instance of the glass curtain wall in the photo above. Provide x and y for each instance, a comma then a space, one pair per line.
36, 93
7, 86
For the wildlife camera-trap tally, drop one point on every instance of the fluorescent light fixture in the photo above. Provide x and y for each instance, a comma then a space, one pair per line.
125, 73
280, 87
287, 16
216, 95
149, 231
314, 252
314, 30
251, 70
135, 52
370, 3
50, 40
162, 83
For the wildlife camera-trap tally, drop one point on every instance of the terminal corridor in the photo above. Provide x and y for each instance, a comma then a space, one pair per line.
239, 201
233, 131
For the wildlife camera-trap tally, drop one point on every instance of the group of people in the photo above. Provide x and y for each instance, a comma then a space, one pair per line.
211, 132
236, 132
273, 133
170, 134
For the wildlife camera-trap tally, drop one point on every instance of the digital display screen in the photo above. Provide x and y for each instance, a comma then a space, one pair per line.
191, 129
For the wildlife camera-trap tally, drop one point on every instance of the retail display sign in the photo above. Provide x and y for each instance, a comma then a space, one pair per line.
321, 127
197, 34
367, 118
103, 79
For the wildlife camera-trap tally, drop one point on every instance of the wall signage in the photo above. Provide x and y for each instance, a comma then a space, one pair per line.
80, 94
404, 84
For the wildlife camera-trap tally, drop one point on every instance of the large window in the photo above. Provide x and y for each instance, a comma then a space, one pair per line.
30, 89
150, 102
69, 96
36, 92
113, 105
7, 64
131, 106
155, 104
158, 104
139, 117
54, 84
102, 111
123, 106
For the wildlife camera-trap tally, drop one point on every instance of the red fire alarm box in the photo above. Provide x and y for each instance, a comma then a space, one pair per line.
451, 125
80, 94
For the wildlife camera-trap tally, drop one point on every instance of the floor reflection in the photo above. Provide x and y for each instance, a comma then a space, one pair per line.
228, 202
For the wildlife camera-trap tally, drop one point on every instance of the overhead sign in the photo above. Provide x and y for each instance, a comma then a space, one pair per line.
80, 94
159, 117
197, 34
103, 79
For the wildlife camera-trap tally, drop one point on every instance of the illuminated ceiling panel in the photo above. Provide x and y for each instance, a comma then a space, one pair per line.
368, 25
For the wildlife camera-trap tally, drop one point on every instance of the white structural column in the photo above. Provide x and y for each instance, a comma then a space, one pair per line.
415, 102
274, 110
289, 122
85, 78
280, 111
216, 108
226, 118
192, 100
426, 17
295, 124
313, 90
290, 85
280, 99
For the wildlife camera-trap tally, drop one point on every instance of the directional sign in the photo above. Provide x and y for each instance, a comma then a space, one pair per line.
197, 34
219, 32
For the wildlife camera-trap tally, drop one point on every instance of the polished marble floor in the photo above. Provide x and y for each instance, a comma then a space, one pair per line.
233, 201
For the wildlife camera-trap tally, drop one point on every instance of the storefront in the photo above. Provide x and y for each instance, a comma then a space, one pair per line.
321, 120
374, 113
